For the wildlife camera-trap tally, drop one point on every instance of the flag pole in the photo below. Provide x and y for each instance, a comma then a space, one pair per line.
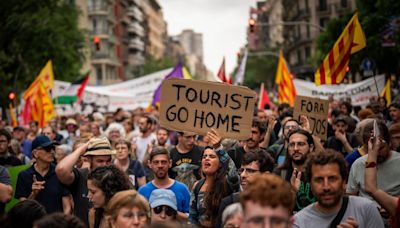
376, 85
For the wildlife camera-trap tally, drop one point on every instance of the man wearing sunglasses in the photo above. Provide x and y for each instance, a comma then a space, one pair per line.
40, 182
163, 205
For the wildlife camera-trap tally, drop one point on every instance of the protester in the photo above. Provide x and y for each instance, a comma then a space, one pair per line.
186, 157
98, 153
102, 183
280, 147
363, 133
258, 130
232, 216
40, 182
146, 137
17, 151
59, 220
61, 152
390, 203
72, 127
19, 134
133, 168
128, 209
394, 112
7, 159
327, 173
163, 205
49, 132
24, 214
253, 162
114, 133
394, 131
387, 169
301, 145
343, 141
208, 193
267, 202
6, 190
160, 163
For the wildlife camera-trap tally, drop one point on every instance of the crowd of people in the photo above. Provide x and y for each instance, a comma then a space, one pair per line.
123, 169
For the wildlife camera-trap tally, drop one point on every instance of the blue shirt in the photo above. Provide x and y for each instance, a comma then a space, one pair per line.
352, 157
181, 192
50, 197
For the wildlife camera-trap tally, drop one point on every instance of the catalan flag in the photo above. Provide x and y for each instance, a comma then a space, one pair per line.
386, 93
333, 69
284, 80
46, 77
42, 106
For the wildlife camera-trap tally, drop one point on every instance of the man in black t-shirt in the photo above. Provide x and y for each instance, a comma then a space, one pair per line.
186, 158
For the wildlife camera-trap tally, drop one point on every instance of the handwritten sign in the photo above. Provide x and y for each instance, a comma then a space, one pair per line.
317, 112
196, 106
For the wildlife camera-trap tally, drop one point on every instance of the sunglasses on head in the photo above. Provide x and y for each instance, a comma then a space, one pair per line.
169, 211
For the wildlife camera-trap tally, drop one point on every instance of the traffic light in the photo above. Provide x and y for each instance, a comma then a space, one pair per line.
252, 24
11, 96
96, 41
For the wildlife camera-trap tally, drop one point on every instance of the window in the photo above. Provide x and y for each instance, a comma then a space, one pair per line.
323, 22
308, 52
299, 57
343, 3
94, 25
323, 5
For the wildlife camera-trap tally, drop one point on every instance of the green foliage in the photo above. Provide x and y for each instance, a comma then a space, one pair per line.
260, 69
374, 15
153, 65
32, 32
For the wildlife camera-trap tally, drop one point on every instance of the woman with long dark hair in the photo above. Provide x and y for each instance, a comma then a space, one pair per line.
208, 192
103, 183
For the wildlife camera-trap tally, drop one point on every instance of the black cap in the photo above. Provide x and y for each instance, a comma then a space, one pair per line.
43, 142
340, 119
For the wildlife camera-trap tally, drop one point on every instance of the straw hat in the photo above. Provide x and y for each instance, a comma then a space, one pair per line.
99, 146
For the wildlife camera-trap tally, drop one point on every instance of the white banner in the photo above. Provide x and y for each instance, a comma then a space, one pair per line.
360, 92
128, 95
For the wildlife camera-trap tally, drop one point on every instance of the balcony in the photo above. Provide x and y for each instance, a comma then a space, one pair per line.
136, 59
136, 44
136, 28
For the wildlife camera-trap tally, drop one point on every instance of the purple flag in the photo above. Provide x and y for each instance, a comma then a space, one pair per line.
175, 73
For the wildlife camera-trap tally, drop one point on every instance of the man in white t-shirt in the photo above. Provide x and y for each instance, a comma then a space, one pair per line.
140, 143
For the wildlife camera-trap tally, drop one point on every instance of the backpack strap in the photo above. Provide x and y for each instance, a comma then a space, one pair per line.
197, 188
340, 214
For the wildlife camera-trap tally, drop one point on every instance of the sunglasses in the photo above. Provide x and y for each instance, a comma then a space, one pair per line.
169, 211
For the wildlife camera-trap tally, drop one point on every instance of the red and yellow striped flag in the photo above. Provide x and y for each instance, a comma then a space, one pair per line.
333, 69
286, 90
386, 93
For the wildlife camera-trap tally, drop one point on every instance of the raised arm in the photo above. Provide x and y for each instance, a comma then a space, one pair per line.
385, 200
64, 169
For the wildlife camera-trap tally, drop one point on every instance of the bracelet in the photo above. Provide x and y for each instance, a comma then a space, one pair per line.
371, 164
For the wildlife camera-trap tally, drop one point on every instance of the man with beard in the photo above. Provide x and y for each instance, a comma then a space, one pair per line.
146, 137
342, 141
160, 163
301, 144
387, 166
326, 172
280, 147
258, 130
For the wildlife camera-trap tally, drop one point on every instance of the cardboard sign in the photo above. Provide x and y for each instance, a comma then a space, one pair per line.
196, 106
317, 112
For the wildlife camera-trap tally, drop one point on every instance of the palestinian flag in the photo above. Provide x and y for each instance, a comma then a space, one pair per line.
73, 93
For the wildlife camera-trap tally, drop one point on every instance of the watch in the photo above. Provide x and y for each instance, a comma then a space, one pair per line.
370, 164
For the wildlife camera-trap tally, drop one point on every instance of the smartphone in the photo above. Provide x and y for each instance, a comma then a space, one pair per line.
376, 132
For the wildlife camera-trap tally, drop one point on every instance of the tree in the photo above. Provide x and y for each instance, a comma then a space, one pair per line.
374, 16
153, 65
260, 68
32, 32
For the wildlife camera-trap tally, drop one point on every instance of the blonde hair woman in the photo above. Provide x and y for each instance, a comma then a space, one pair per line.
128, 209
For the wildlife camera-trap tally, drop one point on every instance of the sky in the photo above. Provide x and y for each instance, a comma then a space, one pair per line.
222, 22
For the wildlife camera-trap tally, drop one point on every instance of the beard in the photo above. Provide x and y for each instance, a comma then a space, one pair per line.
161, 174
299, 161
336, 196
